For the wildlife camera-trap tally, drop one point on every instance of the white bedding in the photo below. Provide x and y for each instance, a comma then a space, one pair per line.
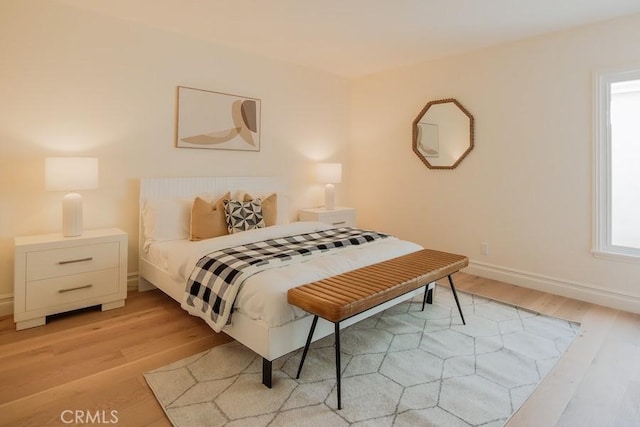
264, 295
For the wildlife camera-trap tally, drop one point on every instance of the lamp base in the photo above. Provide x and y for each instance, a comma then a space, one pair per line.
330, 197
72, 215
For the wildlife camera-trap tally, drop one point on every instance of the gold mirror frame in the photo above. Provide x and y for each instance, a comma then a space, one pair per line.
419, 131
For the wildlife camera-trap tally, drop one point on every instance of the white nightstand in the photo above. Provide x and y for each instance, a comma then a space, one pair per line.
54, 274
340, 216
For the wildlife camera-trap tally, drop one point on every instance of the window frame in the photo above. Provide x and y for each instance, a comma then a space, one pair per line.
601, 245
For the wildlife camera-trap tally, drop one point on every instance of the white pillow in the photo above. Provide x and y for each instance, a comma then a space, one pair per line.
165, 219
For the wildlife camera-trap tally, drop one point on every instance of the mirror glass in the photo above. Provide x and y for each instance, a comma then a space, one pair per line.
443, 134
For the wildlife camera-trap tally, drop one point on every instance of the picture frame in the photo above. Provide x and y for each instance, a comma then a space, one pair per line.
217, 121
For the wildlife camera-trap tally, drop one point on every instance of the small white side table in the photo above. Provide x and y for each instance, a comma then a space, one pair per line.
340, 216
54, 274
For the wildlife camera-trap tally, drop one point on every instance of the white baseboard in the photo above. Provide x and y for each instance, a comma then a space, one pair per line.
525, 279
132, 281
556, 286
6, 304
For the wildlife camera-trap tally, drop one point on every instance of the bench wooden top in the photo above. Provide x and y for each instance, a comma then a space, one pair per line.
339, 297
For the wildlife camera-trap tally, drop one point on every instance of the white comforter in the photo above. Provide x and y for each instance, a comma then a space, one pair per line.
264, 295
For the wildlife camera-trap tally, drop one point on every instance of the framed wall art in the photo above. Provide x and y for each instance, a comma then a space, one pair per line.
218, 121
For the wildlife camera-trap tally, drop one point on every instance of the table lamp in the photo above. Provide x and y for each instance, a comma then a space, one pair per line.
71, 174
329, 174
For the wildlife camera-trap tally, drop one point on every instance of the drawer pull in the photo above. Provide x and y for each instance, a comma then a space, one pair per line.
340, 223
71, 261
62, 291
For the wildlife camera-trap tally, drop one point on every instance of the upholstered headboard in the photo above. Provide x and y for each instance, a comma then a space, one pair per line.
216, 185
171, 197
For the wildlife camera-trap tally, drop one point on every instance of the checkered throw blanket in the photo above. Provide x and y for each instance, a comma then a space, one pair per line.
215, 280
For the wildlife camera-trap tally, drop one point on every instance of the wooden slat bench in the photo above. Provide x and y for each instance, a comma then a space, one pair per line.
340, 297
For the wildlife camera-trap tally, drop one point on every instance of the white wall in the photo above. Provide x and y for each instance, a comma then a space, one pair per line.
526, 188
77, 83
73, 82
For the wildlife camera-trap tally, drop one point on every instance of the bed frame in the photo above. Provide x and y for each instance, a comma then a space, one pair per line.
268, 342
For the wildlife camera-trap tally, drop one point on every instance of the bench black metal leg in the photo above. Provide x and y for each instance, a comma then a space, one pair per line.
338, 370
428, 295
306, 349
306, 346
455, 295
266, 372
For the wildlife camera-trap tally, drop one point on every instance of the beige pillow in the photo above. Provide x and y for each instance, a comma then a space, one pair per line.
269, 208
208, 219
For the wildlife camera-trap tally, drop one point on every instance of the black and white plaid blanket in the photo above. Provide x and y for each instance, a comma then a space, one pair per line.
215, 280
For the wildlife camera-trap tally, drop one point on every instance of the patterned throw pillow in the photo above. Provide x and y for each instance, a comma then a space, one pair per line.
242, 216
269, 207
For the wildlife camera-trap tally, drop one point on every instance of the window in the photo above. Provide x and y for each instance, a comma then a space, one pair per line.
617, 165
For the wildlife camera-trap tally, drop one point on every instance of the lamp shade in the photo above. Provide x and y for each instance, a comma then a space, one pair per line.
71, 173
329, 173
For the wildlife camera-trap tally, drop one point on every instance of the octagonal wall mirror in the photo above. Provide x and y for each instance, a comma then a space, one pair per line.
443, 134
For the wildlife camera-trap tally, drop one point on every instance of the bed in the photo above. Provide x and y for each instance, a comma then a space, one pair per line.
261, 320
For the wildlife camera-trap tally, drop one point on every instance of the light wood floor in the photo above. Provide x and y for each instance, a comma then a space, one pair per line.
93, 361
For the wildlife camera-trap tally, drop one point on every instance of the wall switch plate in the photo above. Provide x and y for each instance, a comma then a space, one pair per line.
485, 249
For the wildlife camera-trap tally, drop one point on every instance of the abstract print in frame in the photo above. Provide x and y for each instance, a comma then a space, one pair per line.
217, 120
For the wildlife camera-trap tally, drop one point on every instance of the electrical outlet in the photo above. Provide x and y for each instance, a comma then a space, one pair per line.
485, 249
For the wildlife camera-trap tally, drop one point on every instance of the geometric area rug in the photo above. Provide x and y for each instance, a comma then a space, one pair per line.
401, 367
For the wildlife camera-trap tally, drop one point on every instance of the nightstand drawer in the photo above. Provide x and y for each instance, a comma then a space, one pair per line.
72, 260
339, 219
67, 289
